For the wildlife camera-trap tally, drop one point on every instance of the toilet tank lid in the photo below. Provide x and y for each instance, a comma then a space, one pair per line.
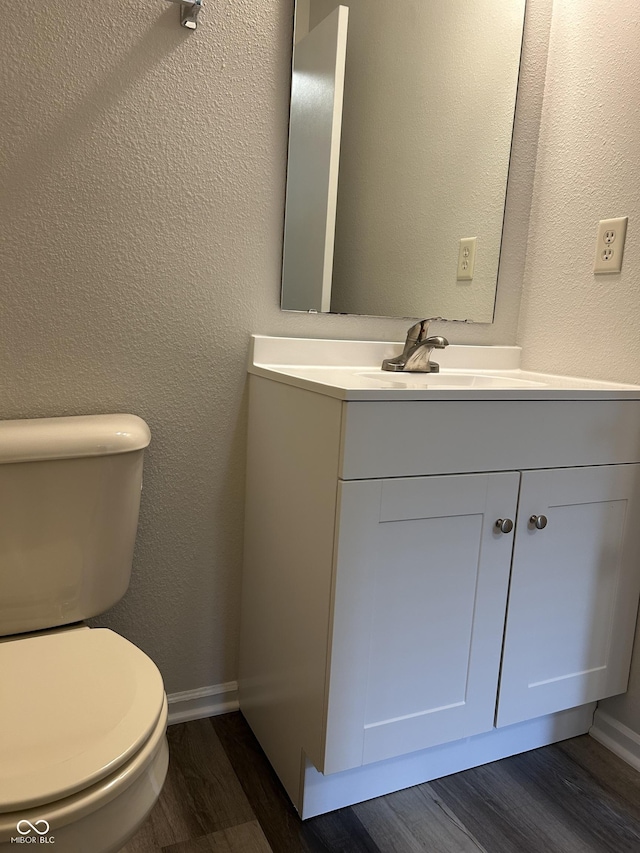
73, 437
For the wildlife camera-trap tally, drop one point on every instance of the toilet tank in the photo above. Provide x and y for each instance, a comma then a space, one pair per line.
69, 500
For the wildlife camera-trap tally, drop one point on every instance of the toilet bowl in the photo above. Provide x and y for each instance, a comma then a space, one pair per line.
83, 712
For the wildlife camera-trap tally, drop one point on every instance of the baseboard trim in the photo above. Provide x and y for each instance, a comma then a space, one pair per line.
617, 737
203, 702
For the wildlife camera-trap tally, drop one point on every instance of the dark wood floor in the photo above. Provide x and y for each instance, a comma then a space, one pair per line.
221, 795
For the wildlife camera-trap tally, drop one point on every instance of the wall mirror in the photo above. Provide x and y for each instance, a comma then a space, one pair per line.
400, 136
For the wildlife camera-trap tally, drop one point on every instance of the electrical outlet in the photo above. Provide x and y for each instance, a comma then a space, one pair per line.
466, 258
610, 245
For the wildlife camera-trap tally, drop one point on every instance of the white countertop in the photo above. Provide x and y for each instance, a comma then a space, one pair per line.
350, 370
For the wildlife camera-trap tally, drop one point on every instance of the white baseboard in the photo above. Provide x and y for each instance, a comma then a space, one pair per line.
617, 737
203, 702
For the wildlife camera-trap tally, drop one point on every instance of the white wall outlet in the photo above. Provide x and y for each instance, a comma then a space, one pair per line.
610, 245
466, 258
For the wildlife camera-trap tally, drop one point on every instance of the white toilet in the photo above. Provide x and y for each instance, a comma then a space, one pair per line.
83, 713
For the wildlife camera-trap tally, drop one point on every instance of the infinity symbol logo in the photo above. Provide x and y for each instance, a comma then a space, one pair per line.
32, 827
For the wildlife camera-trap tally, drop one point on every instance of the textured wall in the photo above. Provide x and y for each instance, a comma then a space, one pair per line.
588, 169
142, 182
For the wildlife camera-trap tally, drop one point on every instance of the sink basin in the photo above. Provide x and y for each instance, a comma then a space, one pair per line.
450, 380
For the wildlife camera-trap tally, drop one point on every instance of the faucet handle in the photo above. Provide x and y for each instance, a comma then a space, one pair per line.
419, 331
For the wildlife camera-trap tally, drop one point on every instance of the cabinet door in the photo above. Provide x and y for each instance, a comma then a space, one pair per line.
421, 577
574, 591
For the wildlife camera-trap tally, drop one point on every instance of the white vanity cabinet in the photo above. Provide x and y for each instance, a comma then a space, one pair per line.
391, 632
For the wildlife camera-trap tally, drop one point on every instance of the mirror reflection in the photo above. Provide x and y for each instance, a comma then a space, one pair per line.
400, 135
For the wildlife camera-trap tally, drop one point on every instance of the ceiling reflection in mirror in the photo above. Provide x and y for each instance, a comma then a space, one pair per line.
400, 137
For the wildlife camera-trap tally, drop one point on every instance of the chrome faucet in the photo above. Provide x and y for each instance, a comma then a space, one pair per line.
417, 350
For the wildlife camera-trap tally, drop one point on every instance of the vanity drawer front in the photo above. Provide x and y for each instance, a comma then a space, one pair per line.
403, 439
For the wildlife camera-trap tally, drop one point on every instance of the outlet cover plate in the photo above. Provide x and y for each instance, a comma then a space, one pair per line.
610, 245
466, 258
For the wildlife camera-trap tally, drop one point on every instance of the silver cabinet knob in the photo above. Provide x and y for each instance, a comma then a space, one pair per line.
504, 525
539, 521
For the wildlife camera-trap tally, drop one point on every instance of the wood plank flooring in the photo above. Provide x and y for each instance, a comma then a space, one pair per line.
221, 795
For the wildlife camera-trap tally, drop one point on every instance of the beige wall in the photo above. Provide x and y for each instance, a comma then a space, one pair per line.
142, 177
588, 168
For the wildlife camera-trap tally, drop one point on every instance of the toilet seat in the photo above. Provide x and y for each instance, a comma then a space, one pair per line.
77, 705
104, 816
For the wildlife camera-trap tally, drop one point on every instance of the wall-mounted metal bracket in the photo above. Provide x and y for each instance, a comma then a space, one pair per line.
189, 11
